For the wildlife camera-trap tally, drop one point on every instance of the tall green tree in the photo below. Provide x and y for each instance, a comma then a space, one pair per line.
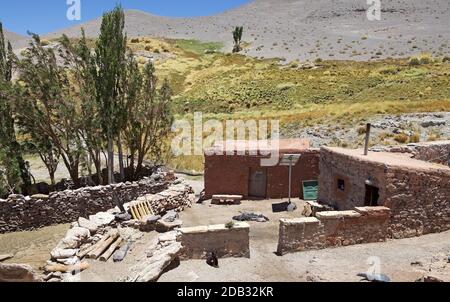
149, 115
45, 106
110, 61
16, 172
237, 37
79, 57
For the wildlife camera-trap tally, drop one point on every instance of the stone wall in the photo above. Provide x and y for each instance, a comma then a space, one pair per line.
353, 171
225, 242
333, 229
19, 213
419, 201
416, 191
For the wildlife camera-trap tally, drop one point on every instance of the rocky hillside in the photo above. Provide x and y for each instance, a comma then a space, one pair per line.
303, 29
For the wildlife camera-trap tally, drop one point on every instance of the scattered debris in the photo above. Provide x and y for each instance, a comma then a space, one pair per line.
291, 207
211, 259
374, 277
247, 216
417, 263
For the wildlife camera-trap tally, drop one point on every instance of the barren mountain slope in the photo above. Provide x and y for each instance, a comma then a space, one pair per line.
303, 29
12, 37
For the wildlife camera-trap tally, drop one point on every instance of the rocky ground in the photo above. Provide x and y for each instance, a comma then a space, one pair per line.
303, 29
385, 130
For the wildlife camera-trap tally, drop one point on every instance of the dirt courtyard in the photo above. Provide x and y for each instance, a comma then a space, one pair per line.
402, 260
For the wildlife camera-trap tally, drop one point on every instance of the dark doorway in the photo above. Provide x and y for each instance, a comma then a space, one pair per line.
257, 183
372, 195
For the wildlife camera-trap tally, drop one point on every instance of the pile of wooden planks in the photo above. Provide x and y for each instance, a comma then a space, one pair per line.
104, 248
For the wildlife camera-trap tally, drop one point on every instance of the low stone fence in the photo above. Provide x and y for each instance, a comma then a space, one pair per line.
225, 242
333, 229
19, 213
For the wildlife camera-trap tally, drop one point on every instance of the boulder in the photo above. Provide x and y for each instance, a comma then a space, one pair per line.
171, 216
102, 218
18, 273
149, 223
156, 265
63, 253
74, 238
123, 217
69, 261
87, 224
163, 226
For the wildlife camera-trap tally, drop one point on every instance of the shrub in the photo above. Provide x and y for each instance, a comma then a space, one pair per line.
401, 138
415, 138
425, 59
135, 40
362, 130
229, 225
446, 59
414, 61
148, 48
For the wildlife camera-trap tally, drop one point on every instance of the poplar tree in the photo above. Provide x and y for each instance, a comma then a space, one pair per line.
110, 58
16, 172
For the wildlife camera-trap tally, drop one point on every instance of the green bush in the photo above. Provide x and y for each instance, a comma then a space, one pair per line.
414, 61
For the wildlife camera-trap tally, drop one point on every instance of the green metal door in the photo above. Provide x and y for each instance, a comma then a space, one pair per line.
310, 189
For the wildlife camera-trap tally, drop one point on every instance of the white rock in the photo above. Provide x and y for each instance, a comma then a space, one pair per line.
74, 238
102, 218
63, 253
87, 224
69, 261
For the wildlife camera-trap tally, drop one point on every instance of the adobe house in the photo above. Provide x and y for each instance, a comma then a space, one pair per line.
244, 175
416, 191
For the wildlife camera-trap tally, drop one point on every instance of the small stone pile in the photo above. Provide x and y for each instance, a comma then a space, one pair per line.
246, 216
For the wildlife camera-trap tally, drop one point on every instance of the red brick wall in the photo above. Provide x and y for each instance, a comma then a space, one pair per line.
230, 175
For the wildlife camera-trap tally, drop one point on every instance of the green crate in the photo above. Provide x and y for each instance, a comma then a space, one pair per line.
310, 189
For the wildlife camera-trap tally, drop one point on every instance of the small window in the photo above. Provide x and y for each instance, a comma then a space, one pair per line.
341, 184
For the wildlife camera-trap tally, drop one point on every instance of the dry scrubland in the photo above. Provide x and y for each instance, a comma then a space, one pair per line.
341, 93
344, 94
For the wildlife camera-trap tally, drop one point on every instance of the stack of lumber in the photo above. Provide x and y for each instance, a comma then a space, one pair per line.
104, 248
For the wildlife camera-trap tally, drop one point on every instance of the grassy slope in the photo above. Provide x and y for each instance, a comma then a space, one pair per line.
225, 86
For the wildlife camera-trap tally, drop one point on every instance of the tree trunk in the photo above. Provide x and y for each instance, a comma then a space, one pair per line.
98, 167
121, 167
110, 160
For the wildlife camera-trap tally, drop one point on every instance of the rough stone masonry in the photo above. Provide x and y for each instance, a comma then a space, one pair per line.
20, 213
